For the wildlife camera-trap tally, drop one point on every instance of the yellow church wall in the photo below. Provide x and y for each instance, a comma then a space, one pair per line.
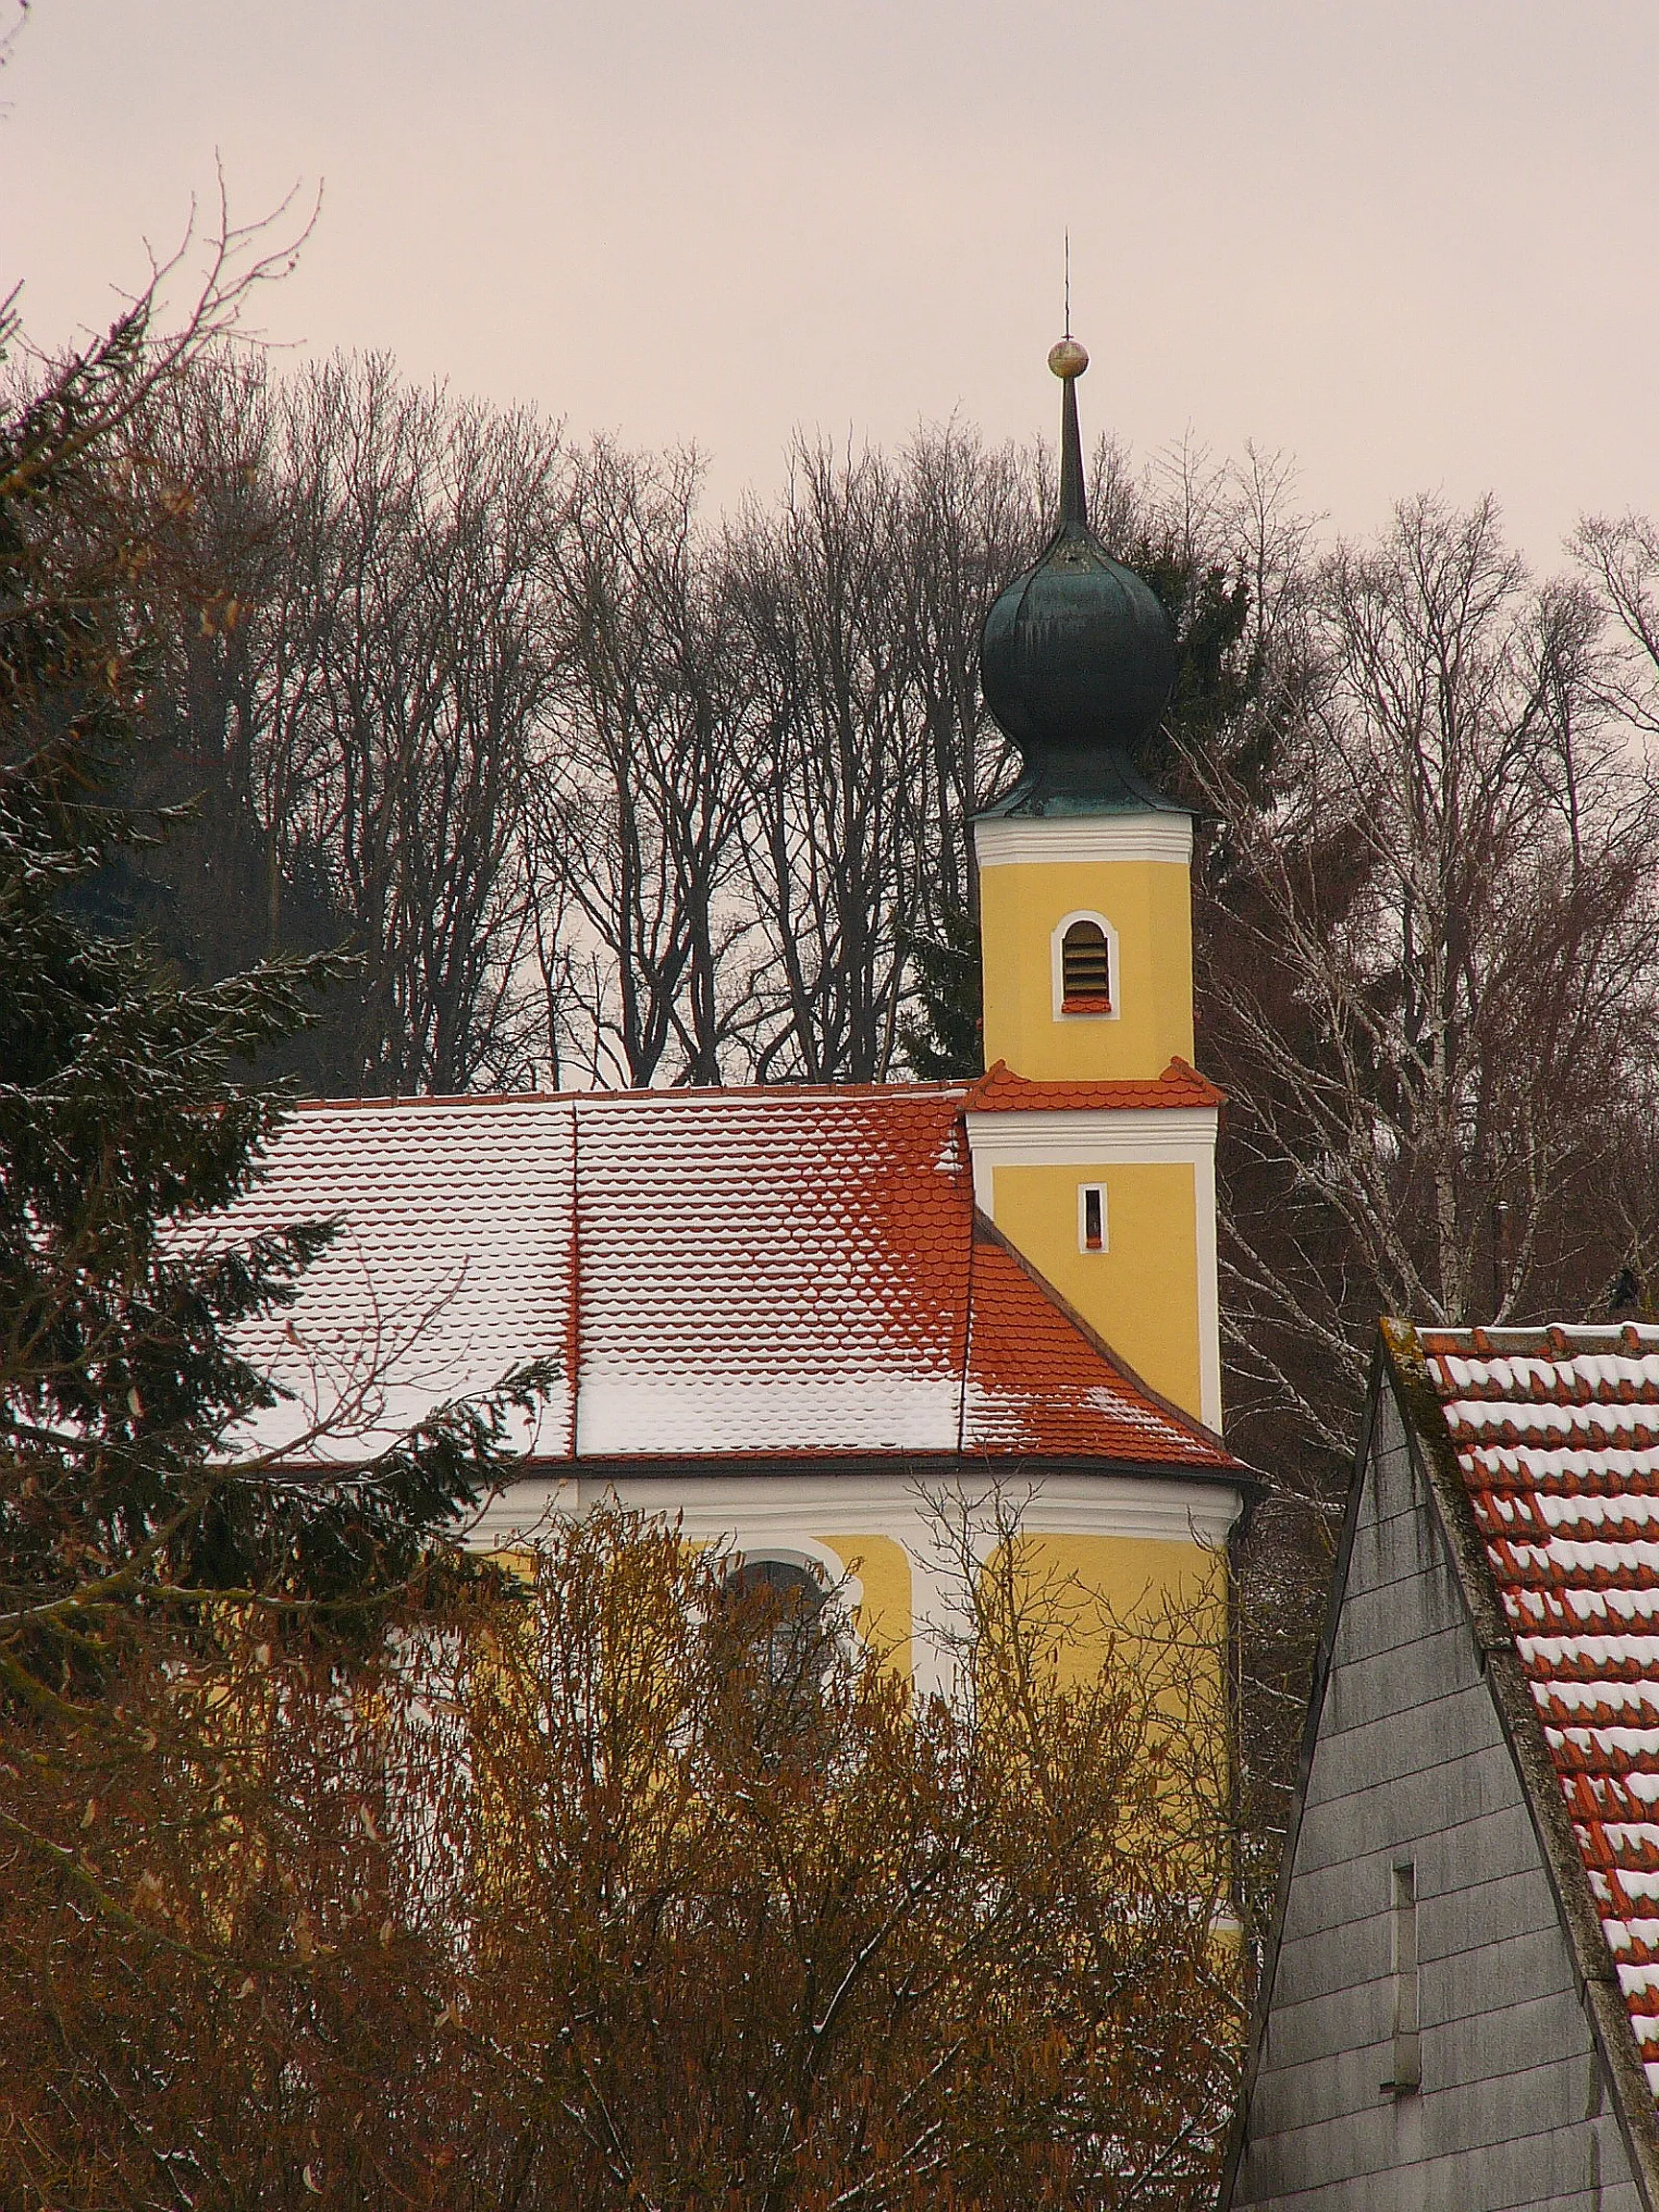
1105, 1582
1133, 1583
1148, 904
1148, 1613
1122, 1536
883, 1615
1156, 1610
1142, 1293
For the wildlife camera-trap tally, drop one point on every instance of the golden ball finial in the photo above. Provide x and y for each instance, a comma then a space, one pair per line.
1068, 357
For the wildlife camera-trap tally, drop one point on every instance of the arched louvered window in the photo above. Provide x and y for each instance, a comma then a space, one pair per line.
1085, 970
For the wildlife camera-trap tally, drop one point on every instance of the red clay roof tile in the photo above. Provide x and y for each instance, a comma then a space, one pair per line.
717, 1274
1000, 1092
1556, 1433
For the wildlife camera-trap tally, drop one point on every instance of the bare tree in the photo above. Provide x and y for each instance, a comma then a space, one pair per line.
359, 693
1431, 965
230, 537
432, 680
1622, 558
639, 1887
639, 770
970, 518
838, 769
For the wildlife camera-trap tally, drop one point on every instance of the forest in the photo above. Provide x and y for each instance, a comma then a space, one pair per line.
379, 742
597, 787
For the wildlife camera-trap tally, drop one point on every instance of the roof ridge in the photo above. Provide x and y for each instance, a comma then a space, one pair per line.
679, 1094
1502, 1339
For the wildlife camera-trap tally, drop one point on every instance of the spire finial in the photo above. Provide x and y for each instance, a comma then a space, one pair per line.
1077, 655
1068, 357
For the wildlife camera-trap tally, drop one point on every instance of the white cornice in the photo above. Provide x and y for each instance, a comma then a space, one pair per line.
1000, 840
1018, 1137
774, 1507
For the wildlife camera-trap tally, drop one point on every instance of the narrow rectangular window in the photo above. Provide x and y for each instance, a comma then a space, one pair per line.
1091, 1217
1403, 1945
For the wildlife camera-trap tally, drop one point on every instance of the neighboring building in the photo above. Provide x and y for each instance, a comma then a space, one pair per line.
786, 1314
1461, 1999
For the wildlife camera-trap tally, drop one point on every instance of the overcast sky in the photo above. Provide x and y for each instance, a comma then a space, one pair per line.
1411, 242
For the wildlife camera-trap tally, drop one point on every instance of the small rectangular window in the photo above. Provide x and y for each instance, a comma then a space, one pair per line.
1091, 1217
1403, 1947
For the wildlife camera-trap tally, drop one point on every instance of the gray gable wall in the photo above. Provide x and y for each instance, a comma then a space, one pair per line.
1411, 1763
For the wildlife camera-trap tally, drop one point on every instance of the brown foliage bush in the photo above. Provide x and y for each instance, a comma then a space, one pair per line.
615, 1891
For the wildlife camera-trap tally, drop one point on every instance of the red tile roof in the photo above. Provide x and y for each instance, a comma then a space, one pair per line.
1039, 1380
1556, 1435
718, 1274
1001, 1091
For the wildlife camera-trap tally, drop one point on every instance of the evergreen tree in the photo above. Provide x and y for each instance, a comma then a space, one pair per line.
122, 1123
944, 1040
1218, 673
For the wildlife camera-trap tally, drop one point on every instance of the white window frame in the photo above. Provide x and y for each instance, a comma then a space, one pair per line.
1057, 965
843, 1591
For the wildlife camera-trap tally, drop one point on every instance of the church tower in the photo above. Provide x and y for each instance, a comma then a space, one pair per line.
1093, 1139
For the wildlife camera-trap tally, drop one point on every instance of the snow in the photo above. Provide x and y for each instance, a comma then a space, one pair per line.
685, 1414
1557, 1436
1633, 1743
1637, 1882
1633, 1838
706, 1272
1613, 1513
1598, 1696
1519, 1375
1550, 1420
1528, 1464
1587, 1559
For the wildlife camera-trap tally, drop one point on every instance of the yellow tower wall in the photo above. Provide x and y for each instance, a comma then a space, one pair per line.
1142, 1293
1135, 874
1151, 1293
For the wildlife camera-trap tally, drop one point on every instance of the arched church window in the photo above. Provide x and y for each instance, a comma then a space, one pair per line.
1085, 970
774, 1616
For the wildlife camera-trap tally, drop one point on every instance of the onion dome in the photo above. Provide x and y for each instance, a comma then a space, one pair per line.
1078, 657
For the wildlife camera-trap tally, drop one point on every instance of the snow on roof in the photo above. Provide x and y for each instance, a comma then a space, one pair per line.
999, 1091
713, 1274
1556, 1435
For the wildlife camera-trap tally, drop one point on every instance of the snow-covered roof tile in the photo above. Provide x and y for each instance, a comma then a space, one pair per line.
1556, 1435
713, 1274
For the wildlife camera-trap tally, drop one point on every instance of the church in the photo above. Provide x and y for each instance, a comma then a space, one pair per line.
799, 1318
